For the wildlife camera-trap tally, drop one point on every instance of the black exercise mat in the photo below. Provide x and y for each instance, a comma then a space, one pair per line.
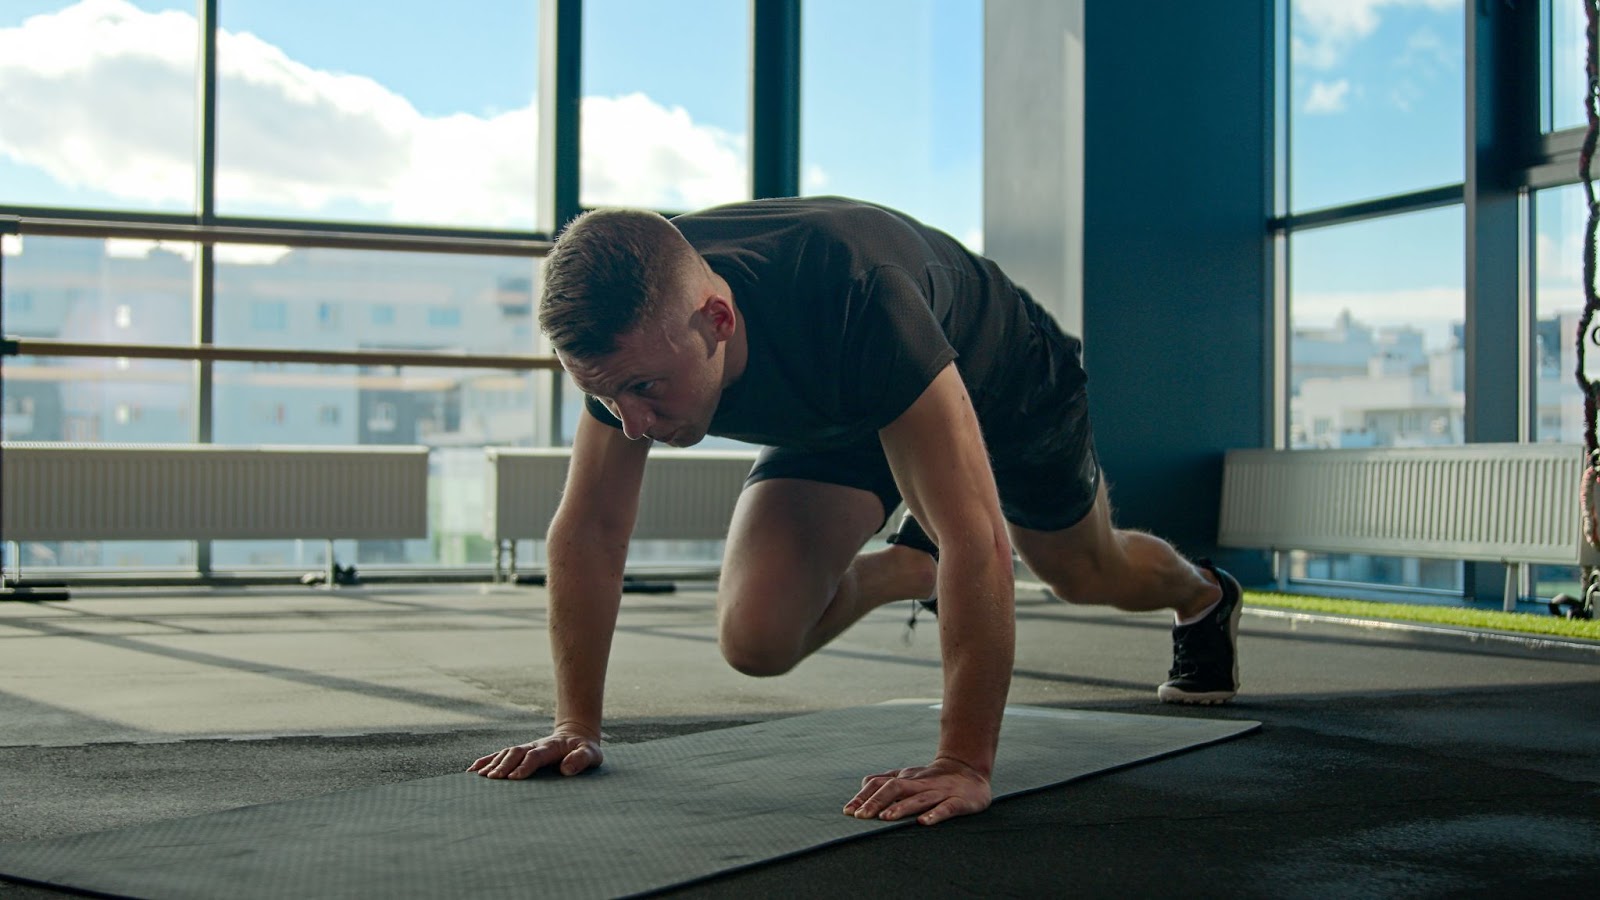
656, 815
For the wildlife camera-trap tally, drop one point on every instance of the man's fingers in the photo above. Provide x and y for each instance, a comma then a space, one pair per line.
952, 806
505, 761
869, 786
584, 756
511, 763
910, 806
887, 792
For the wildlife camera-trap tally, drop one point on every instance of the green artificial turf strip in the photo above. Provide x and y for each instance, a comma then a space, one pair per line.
1557, 626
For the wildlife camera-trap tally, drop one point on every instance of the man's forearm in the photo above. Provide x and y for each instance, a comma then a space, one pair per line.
977, 636
585, 585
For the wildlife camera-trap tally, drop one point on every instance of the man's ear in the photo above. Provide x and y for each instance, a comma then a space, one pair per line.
719, 317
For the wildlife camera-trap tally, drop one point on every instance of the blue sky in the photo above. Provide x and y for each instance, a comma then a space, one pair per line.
444, 58
1380, 113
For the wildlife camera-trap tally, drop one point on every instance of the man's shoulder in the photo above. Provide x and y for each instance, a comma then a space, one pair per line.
843, 217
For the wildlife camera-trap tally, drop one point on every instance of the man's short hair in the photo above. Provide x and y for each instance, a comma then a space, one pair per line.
605, 276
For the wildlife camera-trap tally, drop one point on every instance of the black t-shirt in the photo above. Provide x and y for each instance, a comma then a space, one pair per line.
850, 310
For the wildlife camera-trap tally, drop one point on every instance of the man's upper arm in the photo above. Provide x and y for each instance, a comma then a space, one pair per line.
936, 451
604, 476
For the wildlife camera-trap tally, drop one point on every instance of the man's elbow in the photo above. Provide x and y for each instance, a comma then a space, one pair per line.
986, 550
585, 522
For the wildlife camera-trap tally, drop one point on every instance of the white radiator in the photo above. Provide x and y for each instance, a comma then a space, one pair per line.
687, 494
156, 492
1515, 503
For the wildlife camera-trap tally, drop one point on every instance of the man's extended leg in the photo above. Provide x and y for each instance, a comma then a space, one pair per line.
792, 579
1093, 562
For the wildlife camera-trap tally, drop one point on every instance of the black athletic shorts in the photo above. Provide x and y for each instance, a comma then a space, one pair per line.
1044, 463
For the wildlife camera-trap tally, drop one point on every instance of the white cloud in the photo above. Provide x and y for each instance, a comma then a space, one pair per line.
814, 179
101, 96
225, 254
1428, 53
136, 72
1325, 29
1327, 97
637, 152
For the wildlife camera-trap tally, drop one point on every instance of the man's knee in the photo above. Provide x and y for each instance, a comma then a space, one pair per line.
1081, 577
758, 657
756, 644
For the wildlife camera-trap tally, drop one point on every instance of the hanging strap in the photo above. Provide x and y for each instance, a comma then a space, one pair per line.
1591, 300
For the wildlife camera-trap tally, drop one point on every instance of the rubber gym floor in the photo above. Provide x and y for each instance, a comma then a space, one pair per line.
1391, 761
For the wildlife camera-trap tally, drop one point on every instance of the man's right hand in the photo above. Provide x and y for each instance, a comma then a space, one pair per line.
574, 750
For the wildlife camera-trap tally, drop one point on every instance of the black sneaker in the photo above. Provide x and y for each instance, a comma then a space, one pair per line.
910, 534
1205, 659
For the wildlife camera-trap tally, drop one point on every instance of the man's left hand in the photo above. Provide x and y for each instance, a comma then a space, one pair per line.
935, 792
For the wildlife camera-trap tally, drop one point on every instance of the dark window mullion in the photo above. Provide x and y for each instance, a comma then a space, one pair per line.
204, 263
775, 98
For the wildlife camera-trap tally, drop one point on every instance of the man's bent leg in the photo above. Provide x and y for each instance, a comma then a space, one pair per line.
1094, 562
792, 579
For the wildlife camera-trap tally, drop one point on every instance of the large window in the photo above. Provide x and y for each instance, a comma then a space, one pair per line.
97, 104
1560, 220
1376, 105
1376, 94
1376, 360
666, 104
373, 195
892, 107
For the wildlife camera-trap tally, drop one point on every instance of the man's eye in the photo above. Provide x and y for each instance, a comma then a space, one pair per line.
644, 387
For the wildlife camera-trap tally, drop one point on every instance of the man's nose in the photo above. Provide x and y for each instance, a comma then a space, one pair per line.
636, 419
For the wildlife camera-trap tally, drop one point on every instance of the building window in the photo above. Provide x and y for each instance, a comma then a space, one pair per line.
327, 316
383, 315
269, 316
270, 413
383, 418
444, 317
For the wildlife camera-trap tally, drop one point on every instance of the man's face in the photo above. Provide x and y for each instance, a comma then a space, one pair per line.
663, 380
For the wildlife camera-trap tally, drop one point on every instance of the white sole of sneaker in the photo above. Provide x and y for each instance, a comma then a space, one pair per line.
1212, 698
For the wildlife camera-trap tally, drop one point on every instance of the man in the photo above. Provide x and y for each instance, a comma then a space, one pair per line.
877, 359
